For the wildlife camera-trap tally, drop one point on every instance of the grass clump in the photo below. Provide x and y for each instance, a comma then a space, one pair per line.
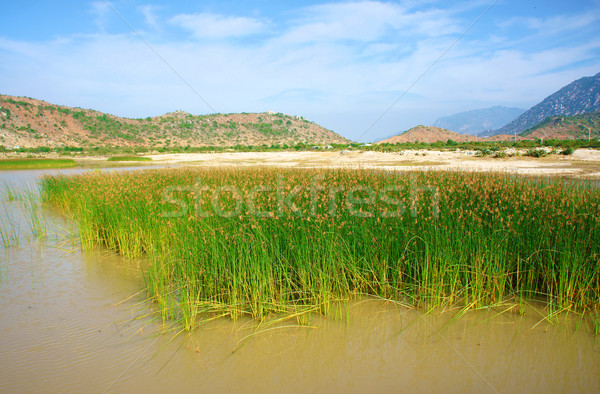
272, 241
129, 158
13, 164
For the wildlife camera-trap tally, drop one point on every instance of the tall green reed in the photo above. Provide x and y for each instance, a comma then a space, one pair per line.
274, 241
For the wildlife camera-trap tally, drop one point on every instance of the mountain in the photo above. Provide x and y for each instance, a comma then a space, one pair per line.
477, 121
567, 127
26, 122
578, 97
427, 134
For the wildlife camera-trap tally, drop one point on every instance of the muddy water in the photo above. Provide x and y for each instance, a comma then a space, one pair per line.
71, 321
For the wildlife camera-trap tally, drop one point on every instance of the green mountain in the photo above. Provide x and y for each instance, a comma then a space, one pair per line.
567, 127
580, 96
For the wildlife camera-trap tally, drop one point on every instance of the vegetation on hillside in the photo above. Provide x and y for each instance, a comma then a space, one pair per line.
33, 123
581, 126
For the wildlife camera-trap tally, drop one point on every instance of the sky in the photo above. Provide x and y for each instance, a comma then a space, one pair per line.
364, 69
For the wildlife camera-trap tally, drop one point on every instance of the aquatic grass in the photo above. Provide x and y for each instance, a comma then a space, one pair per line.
9, 229
31, 220
264, 242
36, 219
8, 192
13, 164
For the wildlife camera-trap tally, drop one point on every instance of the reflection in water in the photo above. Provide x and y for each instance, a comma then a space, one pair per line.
68, 323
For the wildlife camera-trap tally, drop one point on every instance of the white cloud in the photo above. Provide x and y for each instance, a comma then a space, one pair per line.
100, 10
208, 25
366, 21
150, 17
554, 24
341, 64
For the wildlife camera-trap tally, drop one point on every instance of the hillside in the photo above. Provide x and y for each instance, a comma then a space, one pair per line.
578, 97
478, 121
26, 122
567, 127
427, 134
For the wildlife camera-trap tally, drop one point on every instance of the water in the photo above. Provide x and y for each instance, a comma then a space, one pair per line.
74, 321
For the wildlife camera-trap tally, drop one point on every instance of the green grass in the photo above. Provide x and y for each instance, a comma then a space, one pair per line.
265, 242
12, 164
129, 158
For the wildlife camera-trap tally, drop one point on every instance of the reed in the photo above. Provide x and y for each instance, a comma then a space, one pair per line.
9, 229
27, 202
269, 242
34, 215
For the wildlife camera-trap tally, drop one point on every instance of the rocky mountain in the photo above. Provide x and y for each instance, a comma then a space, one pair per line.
478, 121
26, 122
427, 134
567, 127
578, 97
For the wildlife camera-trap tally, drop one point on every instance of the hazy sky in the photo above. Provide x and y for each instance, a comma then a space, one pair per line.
342, 64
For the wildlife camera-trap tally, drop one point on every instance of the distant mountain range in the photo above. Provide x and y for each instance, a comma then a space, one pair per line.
581, 96
479, 121
27, 122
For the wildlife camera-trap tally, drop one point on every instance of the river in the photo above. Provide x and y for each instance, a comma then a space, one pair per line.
73, 320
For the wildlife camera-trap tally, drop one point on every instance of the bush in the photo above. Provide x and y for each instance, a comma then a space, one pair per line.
533, 152
483, 152
567, 152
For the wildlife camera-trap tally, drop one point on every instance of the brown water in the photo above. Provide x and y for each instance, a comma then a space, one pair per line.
67, 323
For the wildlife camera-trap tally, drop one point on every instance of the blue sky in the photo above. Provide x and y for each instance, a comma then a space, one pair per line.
365, 69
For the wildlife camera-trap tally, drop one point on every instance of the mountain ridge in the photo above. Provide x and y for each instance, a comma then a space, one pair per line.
582, 126
28, 122
478, 121
580, 96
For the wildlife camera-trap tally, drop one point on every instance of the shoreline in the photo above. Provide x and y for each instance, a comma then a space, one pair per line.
583, 163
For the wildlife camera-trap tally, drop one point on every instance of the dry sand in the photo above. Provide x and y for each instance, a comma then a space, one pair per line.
583, 163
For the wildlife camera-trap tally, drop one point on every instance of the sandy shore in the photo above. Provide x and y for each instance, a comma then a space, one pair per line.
583, 163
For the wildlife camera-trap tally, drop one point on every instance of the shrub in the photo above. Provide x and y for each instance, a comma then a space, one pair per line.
533, 152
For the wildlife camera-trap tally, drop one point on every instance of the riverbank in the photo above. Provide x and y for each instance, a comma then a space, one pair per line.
582, 163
